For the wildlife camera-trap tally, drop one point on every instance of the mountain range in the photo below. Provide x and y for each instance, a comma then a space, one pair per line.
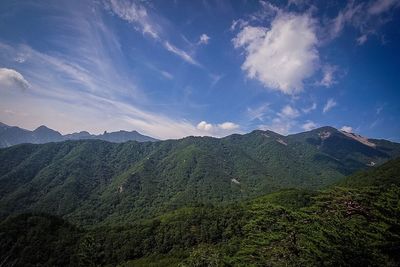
354, 223
92, 181
12, 135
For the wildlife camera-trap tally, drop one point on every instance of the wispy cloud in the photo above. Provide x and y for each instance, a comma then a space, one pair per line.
284, 121
328, 78
288, 112
309, 125
329, 105
182, 54
259, 112
365, 17
87, 87
135, 12
310, 108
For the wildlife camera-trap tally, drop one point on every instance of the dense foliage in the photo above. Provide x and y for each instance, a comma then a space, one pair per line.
339, 226
90, 181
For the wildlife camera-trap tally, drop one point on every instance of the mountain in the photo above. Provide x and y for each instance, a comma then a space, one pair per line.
348, 225
11, 135
90, 181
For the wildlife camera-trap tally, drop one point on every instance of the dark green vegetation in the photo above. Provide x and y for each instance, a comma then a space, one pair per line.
202, 201
91, 181
12, 135
339, 226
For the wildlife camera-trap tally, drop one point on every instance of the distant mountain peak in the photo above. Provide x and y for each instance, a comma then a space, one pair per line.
12, 135
43, 128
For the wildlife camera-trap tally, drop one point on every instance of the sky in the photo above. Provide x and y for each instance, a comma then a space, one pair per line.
176, 68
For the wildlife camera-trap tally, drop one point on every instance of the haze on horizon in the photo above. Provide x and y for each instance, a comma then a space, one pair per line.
170, 69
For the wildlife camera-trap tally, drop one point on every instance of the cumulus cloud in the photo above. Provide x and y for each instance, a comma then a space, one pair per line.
329, 105
347, 129
12, 78
308, 126
204, 126
221, 129
283, 56
204, 39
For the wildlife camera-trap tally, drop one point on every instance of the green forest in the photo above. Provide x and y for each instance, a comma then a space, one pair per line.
353, 223
259, 199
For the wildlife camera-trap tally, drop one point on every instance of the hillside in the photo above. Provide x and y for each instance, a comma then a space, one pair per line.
12, 135
95, 181
339, 226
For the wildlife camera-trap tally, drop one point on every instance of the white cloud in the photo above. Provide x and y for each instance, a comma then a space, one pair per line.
258, 113
204, 126
135, 13
166, 74
228, 126
12, 78
347, 129
349, 15
221, 129
328, 78
288, 112
363, 16
95, 95
329, 105
381, 6
283, 56
309, 109
278, 125
362, 39
204, 39
182, 54
240, 23
284, 120
308, 126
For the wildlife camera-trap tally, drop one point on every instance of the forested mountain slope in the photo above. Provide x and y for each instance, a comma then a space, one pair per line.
339, 226
96, 181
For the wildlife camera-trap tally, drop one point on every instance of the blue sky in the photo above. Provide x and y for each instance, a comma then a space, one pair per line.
170, 69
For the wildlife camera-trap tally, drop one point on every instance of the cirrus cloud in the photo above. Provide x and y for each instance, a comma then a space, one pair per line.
329, 105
